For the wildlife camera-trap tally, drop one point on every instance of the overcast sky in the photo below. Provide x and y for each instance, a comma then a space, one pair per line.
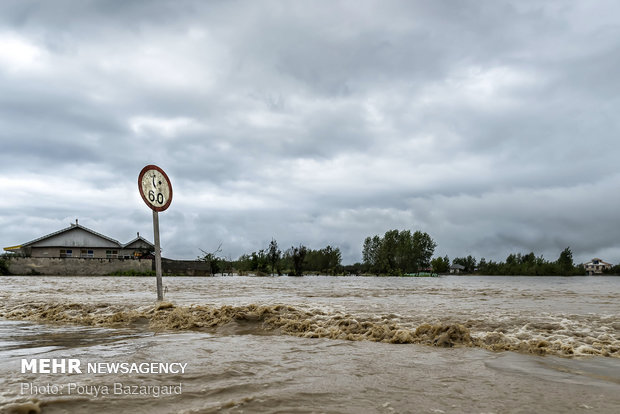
492, 125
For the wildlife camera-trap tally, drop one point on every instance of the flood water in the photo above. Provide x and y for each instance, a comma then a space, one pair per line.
313, 344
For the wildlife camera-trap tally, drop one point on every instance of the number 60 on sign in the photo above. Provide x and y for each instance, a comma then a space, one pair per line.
155, 188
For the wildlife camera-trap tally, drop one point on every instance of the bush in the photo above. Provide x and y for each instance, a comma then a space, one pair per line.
4, 267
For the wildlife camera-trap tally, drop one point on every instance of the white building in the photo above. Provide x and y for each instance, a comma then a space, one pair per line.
596, 266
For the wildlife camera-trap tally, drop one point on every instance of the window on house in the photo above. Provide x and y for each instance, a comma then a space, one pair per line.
66, 252
87, 253
111, 254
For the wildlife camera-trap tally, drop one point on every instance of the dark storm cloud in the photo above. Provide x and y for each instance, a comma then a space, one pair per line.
489, 124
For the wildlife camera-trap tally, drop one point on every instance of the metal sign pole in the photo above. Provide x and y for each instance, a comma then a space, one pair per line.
160, 294
156, 191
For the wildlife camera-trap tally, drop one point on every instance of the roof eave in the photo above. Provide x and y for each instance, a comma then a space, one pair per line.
73, 226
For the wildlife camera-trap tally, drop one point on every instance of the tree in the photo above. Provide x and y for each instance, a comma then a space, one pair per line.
212, 259
406, 256
274, 255
227, 265
528, 259
243, 263
388, 251
398, 252
440, 264
424, 247
565, 261
298, 254
4, 267
330, 259
469, 263
370, 253
530, 265
324, 261
259, 261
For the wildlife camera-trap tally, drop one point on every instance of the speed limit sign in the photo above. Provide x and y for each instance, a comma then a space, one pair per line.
156, 191
155, 188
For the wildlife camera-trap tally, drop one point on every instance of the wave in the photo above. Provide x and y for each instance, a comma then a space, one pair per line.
30, 407
538, 338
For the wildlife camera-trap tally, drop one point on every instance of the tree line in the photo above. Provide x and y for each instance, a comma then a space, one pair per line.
515, 264
293, 261
396, 253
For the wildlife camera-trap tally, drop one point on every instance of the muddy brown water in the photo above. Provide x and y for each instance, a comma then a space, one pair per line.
314, 344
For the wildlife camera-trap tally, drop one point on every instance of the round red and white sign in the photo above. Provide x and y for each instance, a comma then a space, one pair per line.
155, 187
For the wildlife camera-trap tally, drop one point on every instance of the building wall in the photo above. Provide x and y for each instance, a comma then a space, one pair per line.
50, 252
139, 244
597, 269
597, 266
43, 252
75, 266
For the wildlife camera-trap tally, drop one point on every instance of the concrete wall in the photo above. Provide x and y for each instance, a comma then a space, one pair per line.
75, 266
184, 267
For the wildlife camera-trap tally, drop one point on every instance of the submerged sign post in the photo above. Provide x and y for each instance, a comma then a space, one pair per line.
156, 191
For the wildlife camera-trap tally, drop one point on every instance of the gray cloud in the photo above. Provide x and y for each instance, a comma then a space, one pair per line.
489, 124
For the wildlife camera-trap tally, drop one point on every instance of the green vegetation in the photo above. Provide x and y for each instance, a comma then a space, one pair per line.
398, 253
132, 273
213, 260
530, 265
4, 267
440, 264
327, 261
253, 262
274, 255
294, 261
469, 263
297, 256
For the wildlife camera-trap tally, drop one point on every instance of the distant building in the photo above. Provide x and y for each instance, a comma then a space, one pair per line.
79, 241
457, 268
596, 266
